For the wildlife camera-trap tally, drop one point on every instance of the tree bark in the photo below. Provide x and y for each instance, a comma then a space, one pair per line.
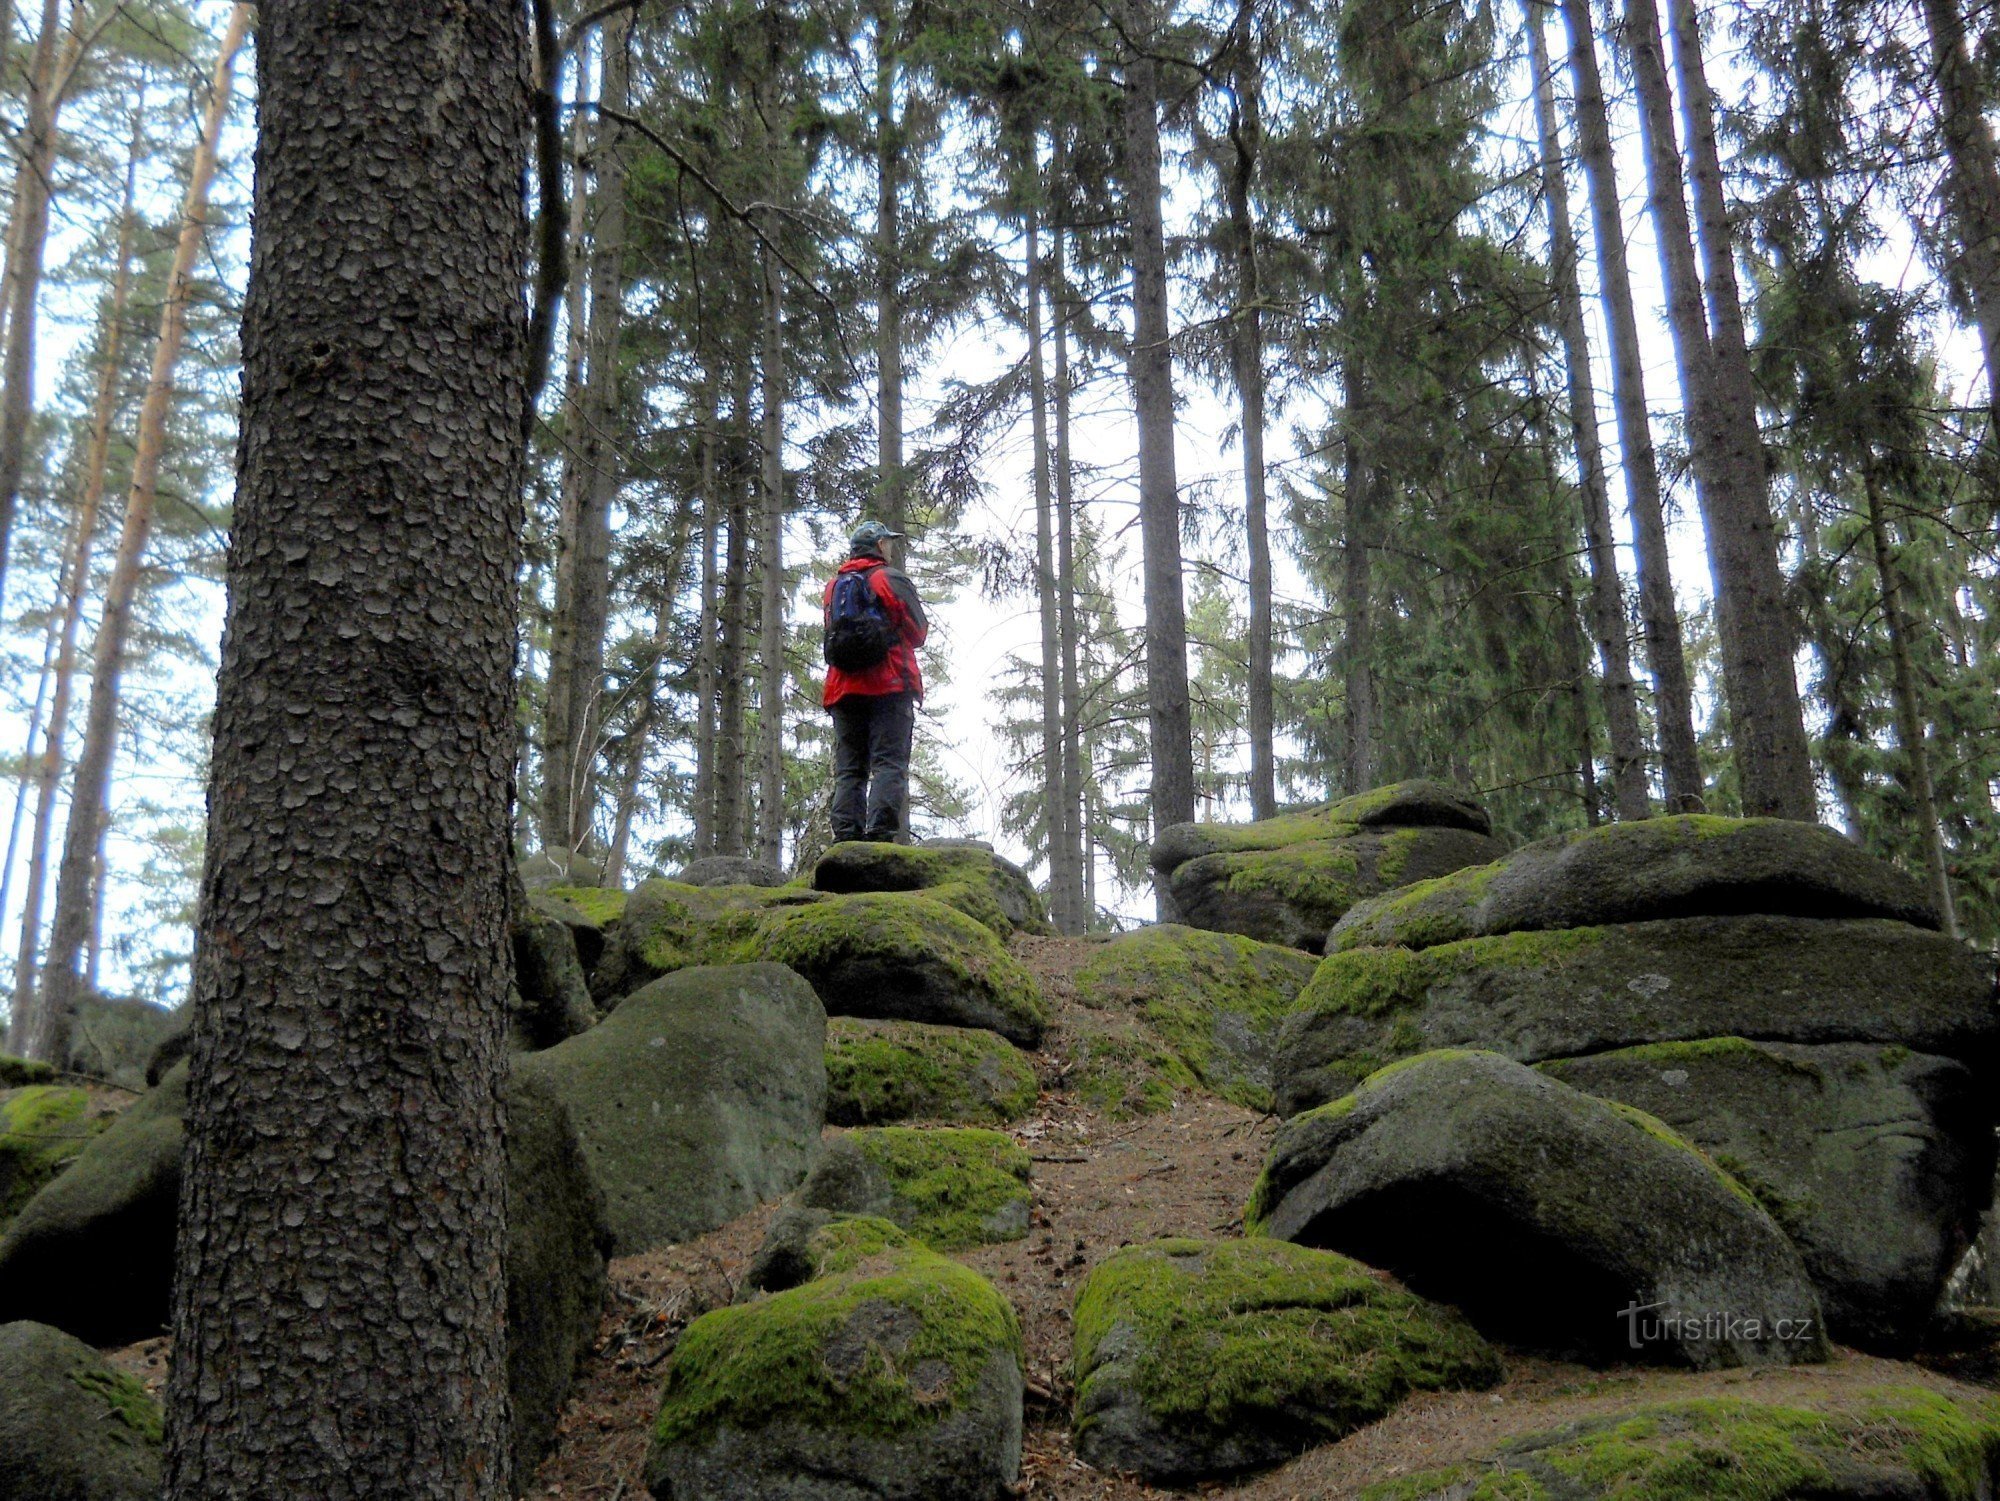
1673, 699
1246, 130
891, 491
1909, 704
1070, 779
1170, 724
1576, 661
1973, 179
771, 565
1759, 637
706, 645
574, 710
91, 784
74, 586
338, 1313
33, 189
1357, 605
731, 753
1056, 835
1729, 469
1607, 593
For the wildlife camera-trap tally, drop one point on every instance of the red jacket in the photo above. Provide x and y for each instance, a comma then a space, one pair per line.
897, 672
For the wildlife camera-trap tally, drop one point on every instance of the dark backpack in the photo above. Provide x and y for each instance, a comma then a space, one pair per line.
858, 633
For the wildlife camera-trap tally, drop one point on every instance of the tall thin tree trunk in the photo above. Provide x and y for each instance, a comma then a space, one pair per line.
33, 189
706, 645
91, 783
1070, 781
1060, 885
648, 689
1607, 592
1729, 473
100, 886
1246, 131
1910, 736
339, 1325
1972, 183
1576, 664
74, 586
891, 489
771, 563
1758, 635
1673, 699
1357, 604
583, 566
732, 666
1169, 719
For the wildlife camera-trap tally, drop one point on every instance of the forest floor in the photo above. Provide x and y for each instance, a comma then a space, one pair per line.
1101, 1184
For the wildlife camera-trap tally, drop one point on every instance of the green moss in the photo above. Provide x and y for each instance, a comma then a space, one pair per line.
1379, 982
128, 1401
973, 881
749, 1366
16, 1072
1187, 984
1231, 1331
42, 1129
891, 1071
1122, 1070
850, 1239
1419, 916
1314, 876
955, 1187
598, 906
1727, 1449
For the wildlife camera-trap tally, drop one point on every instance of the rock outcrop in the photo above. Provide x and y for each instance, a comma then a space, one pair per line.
43, 1128
551, 996
1197, 1359
1216, 999
700, 1097
950, 1187
893, 1375
71, 1427
730, 870
979, 883
883, 1071
1288, 879
112, 1039
1549, 1217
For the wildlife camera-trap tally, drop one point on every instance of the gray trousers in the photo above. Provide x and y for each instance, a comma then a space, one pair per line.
872, 733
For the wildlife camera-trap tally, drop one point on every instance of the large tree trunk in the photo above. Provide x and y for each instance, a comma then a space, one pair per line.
1759, 635
891, 491
731, 753
1972, 184
1053, 815
73, 588
1246, 131
91, 785
771, 566
1151, 361
1768, 739
1673, 700
339, 1308
1070, 778
1607, 593
706, 645
574, 710
1910, 736
33, 188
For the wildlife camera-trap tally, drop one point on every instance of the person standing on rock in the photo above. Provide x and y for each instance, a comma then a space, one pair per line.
874, 625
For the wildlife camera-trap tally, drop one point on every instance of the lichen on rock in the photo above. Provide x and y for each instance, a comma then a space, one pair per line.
1196, 1359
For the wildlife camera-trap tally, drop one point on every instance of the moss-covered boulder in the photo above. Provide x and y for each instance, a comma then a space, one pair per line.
1413, 804
1206, 1358
882, 1071
667, 925
700, 1097
1568, 992
16, 1073
730, 870
951, 1187
1876, 1160
894, 1375
1690, 865
1117, 1065
551, 996
976, 881
92, 1253
557, 1245
1890, 1444
112, 1039
591, 913
1217, 999
904, 957
43, 1128
71, 1427
1551, 1218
